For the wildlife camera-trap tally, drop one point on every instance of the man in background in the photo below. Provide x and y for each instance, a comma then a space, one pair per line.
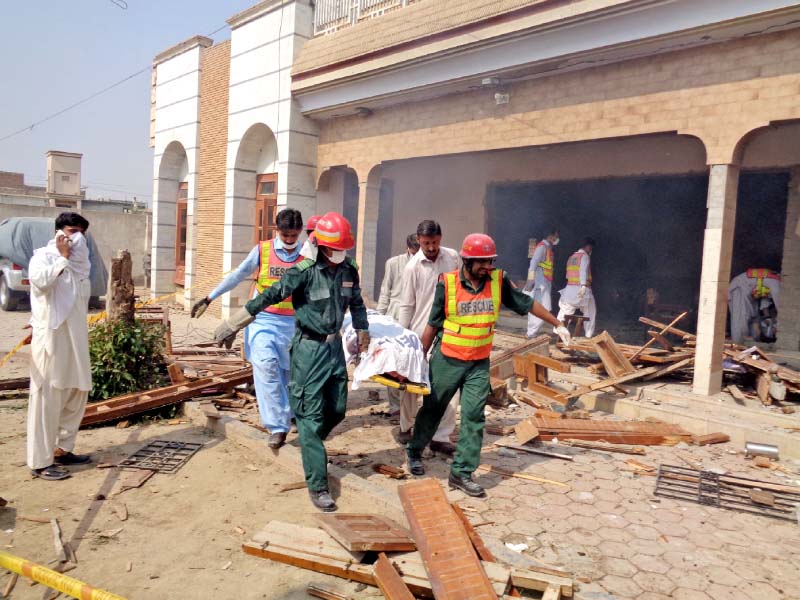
540, 278
577, 295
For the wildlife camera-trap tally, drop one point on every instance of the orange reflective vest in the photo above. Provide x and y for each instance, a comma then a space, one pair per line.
547, 264
270, 269
469, 318
762, 291
574, 269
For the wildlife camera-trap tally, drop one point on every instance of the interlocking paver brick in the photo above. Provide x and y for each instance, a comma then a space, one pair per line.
655, 582
608, 495
636, 516
615, 534
618, 566
670, 529
616, 549
649, 547
689, 594
584, 537
653, 596
761, 591
623, 587
723, 592
651, 564
724, 576
526, 527
689, 578
586, 523
643, 532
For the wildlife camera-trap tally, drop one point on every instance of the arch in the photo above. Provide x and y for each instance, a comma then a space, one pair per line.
772, 146
173, 169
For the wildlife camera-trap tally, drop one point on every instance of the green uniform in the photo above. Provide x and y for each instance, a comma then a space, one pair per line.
448, 375
318, 374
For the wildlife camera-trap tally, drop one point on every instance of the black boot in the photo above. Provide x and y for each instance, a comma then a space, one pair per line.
322, 500
466, 485
415, 464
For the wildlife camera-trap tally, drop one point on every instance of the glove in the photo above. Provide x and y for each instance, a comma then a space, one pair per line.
581, 292
528, 286
227, 330
363, 340
200, 307
563, 333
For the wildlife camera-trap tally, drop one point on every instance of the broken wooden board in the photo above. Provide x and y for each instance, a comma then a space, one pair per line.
621, 432
502, 365
526, 431
668, 329
614, 361
389, 581
661, 340
638, 374
19, 383
139, 402
447, 553
737, 393
360, 533
762, 388
540, 580
389, 471
681, 364
135, 479
327, 592
663, 330
710, 438
605, 447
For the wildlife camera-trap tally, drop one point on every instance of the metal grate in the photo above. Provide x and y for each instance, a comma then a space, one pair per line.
727, 491
161, 456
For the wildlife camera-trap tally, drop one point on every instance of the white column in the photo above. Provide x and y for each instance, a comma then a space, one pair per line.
723, 186
367, 234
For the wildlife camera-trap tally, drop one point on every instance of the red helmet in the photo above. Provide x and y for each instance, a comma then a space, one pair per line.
478, 245
312, 222
333, 231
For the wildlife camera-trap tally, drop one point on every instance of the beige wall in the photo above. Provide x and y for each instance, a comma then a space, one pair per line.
111, 231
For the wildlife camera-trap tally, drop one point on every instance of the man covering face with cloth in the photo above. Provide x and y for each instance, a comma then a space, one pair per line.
60, 371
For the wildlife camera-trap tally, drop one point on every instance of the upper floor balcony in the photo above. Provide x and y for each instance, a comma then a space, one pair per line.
333, 15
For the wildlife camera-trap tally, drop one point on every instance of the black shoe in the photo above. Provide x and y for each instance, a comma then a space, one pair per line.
276, 440
403, 437
322, 500
466, 485
443, 448
68, 458
415, 465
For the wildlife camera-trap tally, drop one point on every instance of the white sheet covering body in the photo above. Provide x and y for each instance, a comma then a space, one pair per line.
392, 348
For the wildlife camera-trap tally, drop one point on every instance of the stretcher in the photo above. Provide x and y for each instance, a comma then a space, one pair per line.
414, 388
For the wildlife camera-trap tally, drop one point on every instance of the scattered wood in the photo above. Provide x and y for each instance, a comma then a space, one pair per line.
621, 432
762, 462
689, 460
525, 431
504, 473
543, 580
685, 335
605, 447
638, 374
297, 485
710, 438
530, 450
762, 388
327, 592
138, 402
33, 519
762, 497
493, 429
661, 340
361, 533
615, 362
450, 560
124, 424
389, 471
498, 394
677, 366
64, 552
17, 383
135, 479
389, 581
663, 330
530, 398
641, 468
12, 581
176, 375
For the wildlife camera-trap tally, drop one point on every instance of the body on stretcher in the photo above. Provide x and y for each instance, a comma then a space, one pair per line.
395, 357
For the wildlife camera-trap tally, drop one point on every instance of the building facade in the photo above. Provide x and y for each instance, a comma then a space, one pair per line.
667, 130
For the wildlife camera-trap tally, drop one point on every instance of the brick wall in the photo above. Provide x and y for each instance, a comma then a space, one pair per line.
210, 207
717, 93
9, 179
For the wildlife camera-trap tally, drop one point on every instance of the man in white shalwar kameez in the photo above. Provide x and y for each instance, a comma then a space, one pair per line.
577, 295
748, 294
60, 370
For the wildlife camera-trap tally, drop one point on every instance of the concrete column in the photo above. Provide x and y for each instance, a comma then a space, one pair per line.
789, 302
367, 233
723, 185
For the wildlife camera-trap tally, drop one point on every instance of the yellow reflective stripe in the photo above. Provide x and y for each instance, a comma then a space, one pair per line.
264, 281
455, 340
497, 275
474, 331
481, 319
450, 289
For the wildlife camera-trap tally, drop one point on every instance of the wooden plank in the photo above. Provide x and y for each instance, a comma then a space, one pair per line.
447, 553
529, 579
530, 450
737, 393
389, 581
530, 398
18, 383
550, 363
526, 431
483, 552
327, 592
545, 391
668, 329
138, 402
670, 369
661, 340
623, 432
639, 374
762, 388
614, 361
360, 532
514, 474
605, 447
710, 438
663, 331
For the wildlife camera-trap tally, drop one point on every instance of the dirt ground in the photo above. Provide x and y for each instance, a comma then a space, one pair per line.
181, 534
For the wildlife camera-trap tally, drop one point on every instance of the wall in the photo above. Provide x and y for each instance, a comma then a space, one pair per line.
111, 231
210, 213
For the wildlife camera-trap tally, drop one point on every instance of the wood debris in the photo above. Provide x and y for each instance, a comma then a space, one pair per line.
389, 471
360, 532
604, 447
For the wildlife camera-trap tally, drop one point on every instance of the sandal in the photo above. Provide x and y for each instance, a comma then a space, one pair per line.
68, 458
51, 473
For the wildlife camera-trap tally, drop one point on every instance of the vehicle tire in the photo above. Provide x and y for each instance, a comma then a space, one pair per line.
7, 300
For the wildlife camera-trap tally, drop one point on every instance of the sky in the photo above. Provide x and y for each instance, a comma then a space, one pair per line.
57, 52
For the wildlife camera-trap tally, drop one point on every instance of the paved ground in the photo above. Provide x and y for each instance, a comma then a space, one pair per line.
603, 524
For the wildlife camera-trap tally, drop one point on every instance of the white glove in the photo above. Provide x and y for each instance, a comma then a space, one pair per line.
563, 333
581, 292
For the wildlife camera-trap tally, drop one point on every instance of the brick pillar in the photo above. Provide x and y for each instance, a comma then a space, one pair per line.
789, 302
367, 233
723, 185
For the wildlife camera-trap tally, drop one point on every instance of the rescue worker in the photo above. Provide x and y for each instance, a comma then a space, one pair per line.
309, 250
465, 310
751, 293
578, 292
539, 285
266, 341
321, 291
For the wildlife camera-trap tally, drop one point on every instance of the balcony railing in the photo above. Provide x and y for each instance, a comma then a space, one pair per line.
333, 15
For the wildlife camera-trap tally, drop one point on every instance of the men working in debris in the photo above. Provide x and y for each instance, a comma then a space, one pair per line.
462, 319
321, 291
389, 300
577, 295
267, 340
416, 299
752, 296
540, 277
61, 376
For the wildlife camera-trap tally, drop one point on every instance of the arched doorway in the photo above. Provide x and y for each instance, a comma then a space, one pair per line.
171, 220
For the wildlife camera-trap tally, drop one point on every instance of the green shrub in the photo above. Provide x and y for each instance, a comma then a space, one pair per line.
126, 358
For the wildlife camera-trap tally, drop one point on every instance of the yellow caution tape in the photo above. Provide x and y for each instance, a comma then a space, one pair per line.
52, 579
414, 388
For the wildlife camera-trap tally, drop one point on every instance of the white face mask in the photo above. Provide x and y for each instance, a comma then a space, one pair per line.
336, 256
555, 242
77, 238
289, 246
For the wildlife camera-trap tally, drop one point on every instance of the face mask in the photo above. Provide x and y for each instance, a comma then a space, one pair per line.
555, 243
336, 256
289, 246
